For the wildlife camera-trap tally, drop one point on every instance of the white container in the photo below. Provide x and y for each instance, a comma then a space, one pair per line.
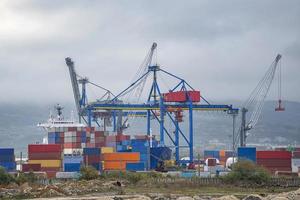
67, 175
295, 164
73, 151
204, 174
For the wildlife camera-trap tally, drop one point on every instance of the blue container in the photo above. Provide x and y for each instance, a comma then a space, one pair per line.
73, 159
72, 167
247, 153
7, 158
8, 166
158, 154
121, 148
125, 142
212, 154
135, 166
144, 157
91, 151
7, 151
188, 174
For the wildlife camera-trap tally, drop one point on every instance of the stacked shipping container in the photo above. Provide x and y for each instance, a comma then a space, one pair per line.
49, 156
7, 159
224, 155
73, 163
91, 157
274, 160
118, 161
247, 153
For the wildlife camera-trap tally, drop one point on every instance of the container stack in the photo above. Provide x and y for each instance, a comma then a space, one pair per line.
7, 159
97, 138
49, 156
91, 157
73, 163
224, 155
275, 160
31, 167
247, 153
142, 146
211, 154
159, 154
118, 160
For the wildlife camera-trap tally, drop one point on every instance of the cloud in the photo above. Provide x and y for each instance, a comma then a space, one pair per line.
222, 48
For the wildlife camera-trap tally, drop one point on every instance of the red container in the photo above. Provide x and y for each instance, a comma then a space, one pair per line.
100, 144
182, 96
99, 133
211, 162
274, 162
89, 159
39, 148
111, 138
72, 145
274, 154
72, 128
121, 137
31, 167
296, 154
45, 156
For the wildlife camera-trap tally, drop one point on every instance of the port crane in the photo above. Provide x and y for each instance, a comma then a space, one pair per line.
255, 102
159, 105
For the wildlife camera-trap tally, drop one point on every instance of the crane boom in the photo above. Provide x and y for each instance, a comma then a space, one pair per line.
75, 85
256, 101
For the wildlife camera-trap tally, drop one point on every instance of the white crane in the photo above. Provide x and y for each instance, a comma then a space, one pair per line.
256, 100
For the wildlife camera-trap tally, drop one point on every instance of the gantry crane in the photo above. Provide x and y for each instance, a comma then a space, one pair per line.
186, 99
256, 100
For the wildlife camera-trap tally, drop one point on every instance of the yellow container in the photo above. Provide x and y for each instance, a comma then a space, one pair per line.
107, 149
46, 163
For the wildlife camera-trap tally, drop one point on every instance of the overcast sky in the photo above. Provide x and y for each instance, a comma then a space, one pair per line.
222, 48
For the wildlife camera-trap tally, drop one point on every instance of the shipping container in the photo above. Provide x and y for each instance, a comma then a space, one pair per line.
114, 165
8, 166
39, 148
7, 151
73, 159
182, 96
91, 151
46, 163
72, 167
68, 175
274, 154
107, 150
45, 156
140, 166
247, 153
122, 156
31, 167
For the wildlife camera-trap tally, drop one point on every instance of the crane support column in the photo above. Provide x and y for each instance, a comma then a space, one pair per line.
148, 122
177, 140
191, 144
89, 117
161, 107
243, 128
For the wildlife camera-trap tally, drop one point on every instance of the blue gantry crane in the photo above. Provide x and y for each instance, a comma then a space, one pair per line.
159, 105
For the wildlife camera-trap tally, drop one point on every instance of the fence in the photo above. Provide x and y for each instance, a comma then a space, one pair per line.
281, 182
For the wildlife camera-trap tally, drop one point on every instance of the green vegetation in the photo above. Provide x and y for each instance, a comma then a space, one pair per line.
131, 177
247, 172
23, 178
5, 178
88, 173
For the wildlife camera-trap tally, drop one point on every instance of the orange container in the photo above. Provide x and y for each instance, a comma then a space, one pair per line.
114, 165
121, 156
222, 153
